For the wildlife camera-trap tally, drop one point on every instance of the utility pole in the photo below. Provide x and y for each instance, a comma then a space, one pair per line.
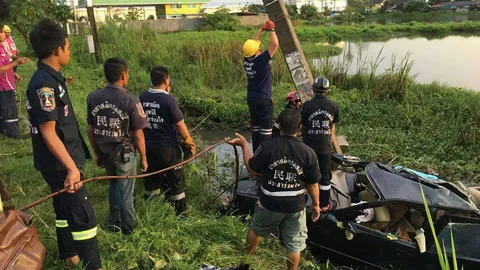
93, 26
294, 57
74, 9
292, 51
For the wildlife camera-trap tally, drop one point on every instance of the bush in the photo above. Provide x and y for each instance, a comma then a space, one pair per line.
133, 14
220, 20
151, 17
415, 6
292, 11
309, 12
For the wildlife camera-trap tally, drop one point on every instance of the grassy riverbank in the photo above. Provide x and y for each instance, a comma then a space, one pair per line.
385, 118
394, 18
375, 32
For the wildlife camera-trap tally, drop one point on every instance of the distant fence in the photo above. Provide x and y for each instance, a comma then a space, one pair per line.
174, 25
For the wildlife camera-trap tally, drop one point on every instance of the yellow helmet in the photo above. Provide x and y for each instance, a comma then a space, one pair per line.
6, 29
250, 47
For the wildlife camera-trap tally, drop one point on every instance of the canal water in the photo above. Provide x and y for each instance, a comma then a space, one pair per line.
453, 60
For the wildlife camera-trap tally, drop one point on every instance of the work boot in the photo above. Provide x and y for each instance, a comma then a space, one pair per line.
72, 262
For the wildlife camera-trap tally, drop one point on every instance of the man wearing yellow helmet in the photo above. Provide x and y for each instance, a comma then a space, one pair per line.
8, 107
259, 88
9, 44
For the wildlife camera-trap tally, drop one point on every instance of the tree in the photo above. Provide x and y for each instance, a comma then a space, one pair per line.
415, 6
220, 20
24, 14
63, 13
133, 14
292, 11
255, 8
357, 5
308, 12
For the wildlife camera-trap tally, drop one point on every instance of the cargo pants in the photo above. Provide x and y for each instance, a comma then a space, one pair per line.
9, 114
75, 222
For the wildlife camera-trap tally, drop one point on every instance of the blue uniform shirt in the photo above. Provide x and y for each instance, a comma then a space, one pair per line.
162, 113
259, 76
48, 100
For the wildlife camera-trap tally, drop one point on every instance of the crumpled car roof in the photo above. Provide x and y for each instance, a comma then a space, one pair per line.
391, 186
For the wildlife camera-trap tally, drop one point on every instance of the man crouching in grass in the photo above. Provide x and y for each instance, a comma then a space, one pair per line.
289, 169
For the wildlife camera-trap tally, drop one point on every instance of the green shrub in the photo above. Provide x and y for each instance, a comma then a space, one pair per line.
220, 20
292, 11
309, 12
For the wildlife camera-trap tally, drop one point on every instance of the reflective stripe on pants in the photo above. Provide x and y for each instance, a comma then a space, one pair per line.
84, 235
59, 223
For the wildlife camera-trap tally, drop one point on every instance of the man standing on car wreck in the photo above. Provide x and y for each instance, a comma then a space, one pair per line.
289, 169
319, 118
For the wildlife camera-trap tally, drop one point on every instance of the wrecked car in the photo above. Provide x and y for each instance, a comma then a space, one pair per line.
380, 219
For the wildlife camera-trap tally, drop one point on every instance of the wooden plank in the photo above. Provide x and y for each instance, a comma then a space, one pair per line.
96, 40
290, 46
342, 143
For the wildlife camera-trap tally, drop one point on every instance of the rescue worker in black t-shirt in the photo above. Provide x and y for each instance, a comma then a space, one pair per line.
59, 150
165, 127
115, 129
259, 88
319, 118
289, 169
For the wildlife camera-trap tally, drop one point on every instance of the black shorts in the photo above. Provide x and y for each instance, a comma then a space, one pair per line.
171, 182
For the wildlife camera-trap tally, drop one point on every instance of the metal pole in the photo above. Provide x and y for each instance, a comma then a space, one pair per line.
292, 51
93, 26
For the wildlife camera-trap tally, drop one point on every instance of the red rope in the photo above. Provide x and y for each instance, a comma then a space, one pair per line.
208, 149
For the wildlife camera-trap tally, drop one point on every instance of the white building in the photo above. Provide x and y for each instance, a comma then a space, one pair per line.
333, 5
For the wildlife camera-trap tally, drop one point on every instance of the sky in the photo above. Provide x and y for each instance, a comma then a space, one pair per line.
232, 2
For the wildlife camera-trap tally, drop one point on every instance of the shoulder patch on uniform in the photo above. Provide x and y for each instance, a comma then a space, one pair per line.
46, 96
140, 110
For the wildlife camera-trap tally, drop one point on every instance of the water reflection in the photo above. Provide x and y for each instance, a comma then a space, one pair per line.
453, 60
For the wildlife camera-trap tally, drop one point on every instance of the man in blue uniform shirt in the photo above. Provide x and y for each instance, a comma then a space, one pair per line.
165, 134
59, 150
259, 88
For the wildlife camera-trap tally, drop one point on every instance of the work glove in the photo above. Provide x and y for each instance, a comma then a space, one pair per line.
188, 147
268, 26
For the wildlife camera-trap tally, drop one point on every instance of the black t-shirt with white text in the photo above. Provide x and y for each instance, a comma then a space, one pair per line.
259, 76
318, 117
162, 113
114, 114
287, 165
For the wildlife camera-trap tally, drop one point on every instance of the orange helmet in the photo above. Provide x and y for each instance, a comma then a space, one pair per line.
293, 97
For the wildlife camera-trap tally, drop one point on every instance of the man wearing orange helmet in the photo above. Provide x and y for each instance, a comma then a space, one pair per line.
259, 88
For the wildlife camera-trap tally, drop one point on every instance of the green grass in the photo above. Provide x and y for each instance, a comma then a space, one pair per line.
375, 32
385, 118
429, 17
